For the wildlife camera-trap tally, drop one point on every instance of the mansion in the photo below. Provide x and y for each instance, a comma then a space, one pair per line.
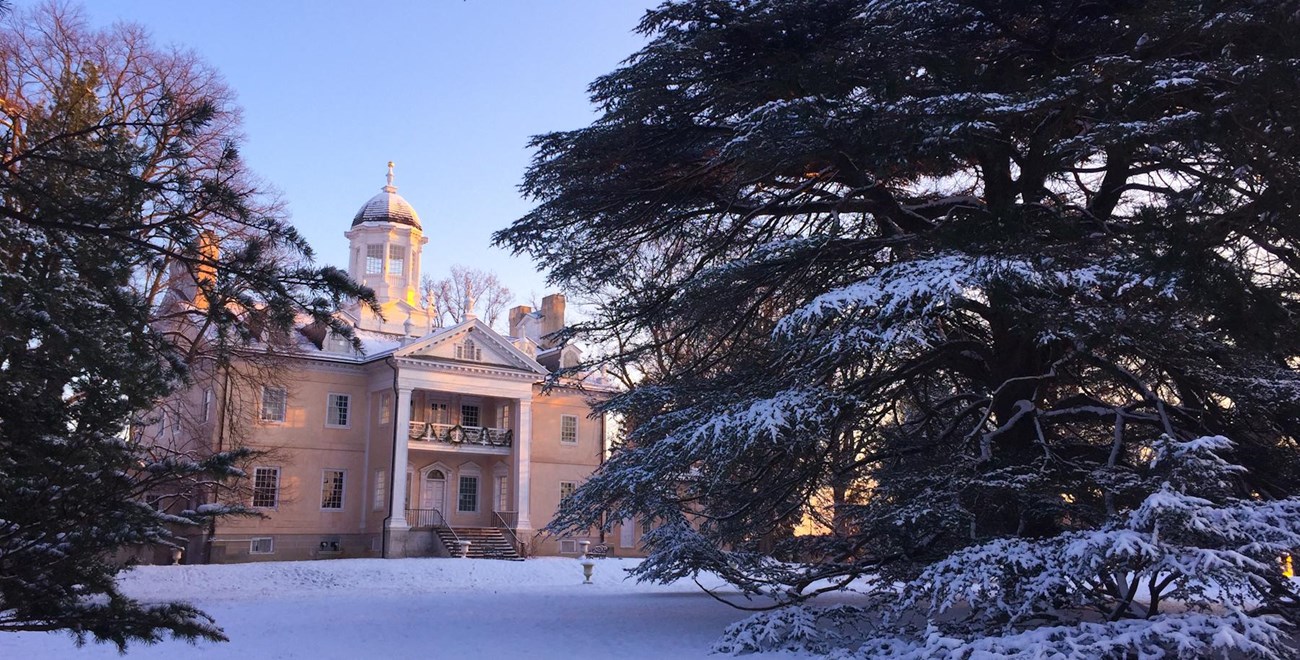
432, 441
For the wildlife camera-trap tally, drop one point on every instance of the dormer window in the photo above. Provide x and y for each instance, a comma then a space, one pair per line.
335, 343
374, 259
396, 260
468, 350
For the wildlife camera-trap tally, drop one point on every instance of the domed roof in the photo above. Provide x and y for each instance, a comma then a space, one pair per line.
388, 206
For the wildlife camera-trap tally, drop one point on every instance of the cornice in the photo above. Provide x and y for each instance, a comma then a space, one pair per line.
495, 371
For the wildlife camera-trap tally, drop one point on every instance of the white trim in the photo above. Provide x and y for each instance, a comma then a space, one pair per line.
424, 481
486, 335
379, 496
574, 441
467, 470
439, 465
329, 410
284, 406
500, 487
365, 267
253, 498
385, 408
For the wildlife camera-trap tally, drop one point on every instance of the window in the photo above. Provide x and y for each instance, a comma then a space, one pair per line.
385, 407
396, 259
569, 429
566, 489
503, 416
331, 490
438, 413
468, 350
569, 546
627, 533
266, 487
273, 404
264, 545
336, 343
502, 491
467, 499
207, 404
380, 485
336, 410
469, 416
374, 260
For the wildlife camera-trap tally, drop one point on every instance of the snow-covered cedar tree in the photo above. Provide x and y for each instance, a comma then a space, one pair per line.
118, 165
1184, 574
925, 276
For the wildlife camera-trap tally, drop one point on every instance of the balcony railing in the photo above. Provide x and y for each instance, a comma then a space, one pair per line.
455, 434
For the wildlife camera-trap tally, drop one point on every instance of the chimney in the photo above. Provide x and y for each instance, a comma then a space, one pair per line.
517, 314
205, 273
552, 317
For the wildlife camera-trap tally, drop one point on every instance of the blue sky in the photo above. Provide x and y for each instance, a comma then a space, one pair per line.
450, 90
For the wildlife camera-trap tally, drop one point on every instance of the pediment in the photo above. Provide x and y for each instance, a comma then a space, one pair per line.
471, 342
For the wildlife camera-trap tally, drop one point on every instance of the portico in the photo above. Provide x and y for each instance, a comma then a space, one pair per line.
462, 433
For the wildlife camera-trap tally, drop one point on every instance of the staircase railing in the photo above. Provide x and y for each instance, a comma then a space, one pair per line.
431, 518
508, 526
425, 518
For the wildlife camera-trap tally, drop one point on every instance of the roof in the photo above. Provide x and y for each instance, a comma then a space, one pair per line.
388, 206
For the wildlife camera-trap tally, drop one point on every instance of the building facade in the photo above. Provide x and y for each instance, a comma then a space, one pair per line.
427, 437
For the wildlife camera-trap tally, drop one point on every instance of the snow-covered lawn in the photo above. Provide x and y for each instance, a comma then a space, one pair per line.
418, 608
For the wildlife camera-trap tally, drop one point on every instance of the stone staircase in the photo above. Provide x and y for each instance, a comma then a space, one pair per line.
485, 542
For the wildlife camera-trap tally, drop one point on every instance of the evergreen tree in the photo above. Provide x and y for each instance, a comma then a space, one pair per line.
118, 165
959, 264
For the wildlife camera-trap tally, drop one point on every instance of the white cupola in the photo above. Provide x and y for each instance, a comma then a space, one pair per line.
385, 245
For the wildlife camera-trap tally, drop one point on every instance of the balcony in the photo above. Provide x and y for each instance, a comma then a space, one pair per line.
454, 437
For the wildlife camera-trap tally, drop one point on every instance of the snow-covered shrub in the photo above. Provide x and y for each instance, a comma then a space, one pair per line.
1192, 571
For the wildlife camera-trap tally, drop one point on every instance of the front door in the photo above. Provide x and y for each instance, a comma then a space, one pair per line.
433, 493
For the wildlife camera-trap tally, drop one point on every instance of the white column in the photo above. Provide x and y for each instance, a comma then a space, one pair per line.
523, 460
403, 421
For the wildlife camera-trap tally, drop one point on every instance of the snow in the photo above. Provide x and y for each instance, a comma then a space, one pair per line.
403, 608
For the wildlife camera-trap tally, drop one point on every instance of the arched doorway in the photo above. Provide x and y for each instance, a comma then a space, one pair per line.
433, 492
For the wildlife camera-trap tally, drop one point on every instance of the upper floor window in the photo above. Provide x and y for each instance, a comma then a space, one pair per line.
266, 487
337, 410
274, 400
374, 259
468, 350
396, 260
469, 415
439, 414
207, 404
567, 488
569, 429
385, 407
